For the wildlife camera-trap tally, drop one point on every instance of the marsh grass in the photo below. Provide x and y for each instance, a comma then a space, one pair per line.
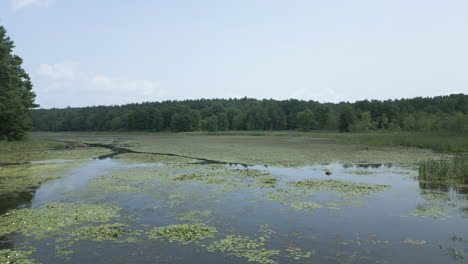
454, 142
21, 151
30, 143
453, 171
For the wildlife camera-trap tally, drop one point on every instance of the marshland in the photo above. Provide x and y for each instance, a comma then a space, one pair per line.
201, 198
249, 131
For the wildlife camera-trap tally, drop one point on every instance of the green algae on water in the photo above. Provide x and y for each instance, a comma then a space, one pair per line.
16, 256
360, 172
101, 232
183, 233
430, 209
305, 205
27, 177
413, 242
298, 253
267, 182
345, 187
251, 248
194, 215
243, 246
54, 217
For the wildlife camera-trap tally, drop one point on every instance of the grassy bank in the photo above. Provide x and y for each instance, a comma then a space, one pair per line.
37, 148
27, 144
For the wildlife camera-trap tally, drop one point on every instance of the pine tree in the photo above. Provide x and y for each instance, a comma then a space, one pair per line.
16, 96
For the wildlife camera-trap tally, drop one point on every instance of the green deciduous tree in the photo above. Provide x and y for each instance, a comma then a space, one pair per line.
16, 96
306, 120
346, 120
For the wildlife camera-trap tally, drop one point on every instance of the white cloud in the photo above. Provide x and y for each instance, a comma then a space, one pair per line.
64, 70
18, 4
108, 84
64, 84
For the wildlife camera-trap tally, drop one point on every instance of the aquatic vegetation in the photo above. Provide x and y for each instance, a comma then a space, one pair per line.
153, 158
101, 232
189, 177
194, 215
278, 151
175, 199
245, 172
430, 209
370, 239
51, 154
457, 238
29, 176
298, 253
8, 256
454, 249
454, 252
183, 233
453, 171
345, 187
267, 182
360, 172
413, 242
305, 205
435, 196
164, 199
53, 217
336, 205
245, 247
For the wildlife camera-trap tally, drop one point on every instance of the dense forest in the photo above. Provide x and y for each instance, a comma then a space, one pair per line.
441, 113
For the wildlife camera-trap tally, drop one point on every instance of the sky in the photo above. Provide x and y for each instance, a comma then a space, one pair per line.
112, 52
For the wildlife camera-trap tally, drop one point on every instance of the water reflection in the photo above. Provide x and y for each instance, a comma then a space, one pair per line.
450, 191
19, 199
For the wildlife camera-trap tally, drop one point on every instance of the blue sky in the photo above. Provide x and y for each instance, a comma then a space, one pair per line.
84, 52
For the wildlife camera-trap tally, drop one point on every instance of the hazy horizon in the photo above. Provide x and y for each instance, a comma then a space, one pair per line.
85, 53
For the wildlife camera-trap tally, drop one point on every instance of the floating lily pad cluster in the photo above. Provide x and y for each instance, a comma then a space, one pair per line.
413, 242
16, 256
305, 205
243, 246
183, 233
345, 187
53, 217
194, 215
101, 232
430, 209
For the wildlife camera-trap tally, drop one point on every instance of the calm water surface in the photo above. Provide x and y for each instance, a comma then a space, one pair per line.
345, 230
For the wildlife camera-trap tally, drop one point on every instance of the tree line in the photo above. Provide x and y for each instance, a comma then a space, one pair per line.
441, 113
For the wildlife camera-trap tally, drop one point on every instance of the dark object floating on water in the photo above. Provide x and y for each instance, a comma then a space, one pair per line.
328, 173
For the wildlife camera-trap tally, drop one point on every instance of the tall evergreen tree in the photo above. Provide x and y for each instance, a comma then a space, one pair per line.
16, 96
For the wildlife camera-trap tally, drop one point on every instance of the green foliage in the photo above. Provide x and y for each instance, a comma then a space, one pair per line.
346, 120
306, 120
16, 96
